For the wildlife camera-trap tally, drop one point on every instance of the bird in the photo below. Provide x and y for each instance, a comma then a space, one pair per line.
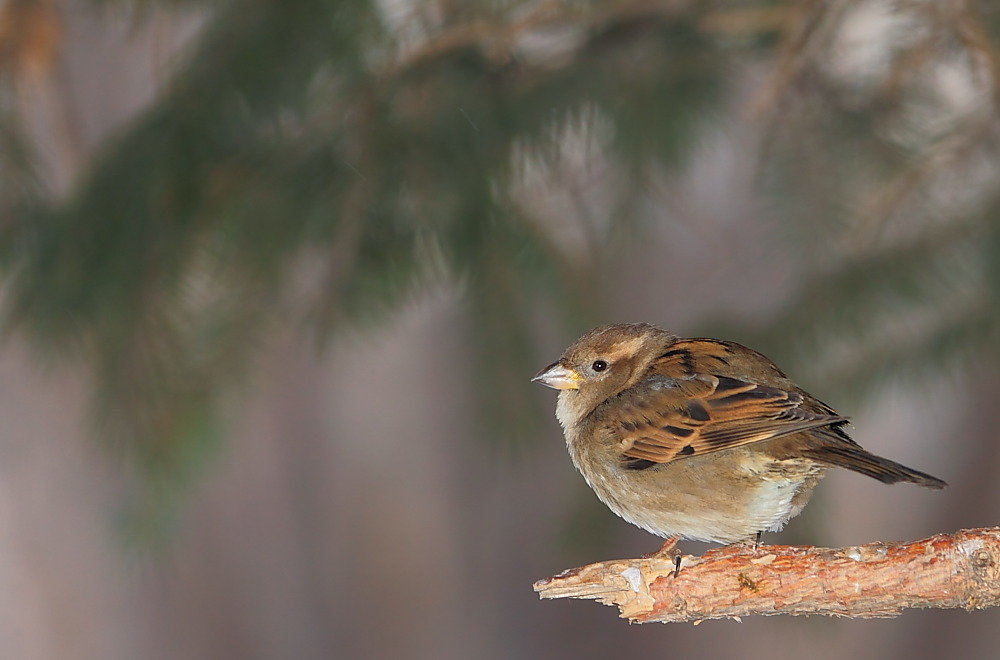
696, 438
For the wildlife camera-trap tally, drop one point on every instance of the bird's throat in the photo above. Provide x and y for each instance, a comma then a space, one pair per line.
568, 411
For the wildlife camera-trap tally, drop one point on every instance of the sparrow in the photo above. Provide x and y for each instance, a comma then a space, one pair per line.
699, 439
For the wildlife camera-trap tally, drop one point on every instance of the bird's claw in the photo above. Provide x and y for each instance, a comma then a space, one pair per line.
668, 550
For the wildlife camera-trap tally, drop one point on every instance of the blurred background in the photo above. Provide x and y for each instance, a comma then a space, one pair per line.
276, 276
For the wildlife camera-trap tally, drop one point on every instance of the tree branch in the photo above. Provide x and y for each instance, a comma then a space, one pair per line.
867, 581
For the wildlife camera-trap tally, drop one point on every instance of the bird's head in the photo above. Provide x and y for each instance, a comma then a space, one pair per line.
602, 363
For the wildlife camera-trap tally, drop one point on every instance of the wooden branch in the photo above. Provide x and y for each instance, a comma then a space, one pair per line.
867, 581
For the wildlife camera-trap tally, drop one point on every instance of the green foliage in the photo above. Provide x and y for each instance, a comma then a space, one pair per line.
302, 131
320, 145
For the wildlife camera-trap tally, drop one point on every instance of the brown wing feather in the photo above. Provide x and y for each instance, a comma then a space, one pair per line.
687, 357
673, 419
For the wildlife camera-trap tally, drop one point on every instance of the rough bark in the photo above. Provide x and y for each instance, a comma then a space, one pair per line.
867, 581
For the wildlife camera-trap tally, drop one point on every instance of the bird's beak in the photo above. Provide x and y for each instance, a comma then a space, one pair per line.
558, 377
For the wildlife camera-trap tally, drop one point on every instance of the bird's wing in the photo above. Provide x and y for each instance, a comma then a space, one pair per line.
690, 357
666, 419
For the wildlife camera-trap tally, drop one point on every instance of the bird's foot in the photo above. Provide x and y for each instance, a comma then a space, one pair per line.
749, 546
668, 550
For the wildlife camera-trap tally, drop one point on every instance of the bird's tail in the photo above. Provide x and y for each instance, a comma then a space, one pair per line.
855, 458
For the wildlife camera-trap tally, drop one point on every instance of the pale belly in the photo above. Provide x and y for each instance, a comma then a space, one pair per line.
724, 497
766, 508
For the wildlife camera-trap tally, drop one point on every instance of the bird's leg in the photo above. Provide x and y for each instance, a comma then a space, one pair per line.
751, 544
668, 550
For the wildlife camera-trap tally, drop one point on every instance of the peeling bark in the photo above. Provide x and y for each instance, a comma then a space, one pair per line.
866, 581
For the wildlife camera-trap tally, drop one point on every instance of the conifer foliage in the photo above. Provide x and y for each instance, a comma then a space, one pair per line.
322, 159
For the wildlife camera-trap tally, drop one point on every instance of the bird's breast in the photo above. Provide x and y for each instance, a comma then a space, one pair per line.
723, 497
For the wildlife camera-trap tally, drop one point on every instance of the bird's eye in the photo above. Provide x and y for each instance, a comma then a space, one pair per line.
599, 365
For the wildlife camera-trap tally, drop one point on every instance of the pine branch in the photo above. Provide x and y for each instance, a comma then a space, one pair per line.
877, 580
